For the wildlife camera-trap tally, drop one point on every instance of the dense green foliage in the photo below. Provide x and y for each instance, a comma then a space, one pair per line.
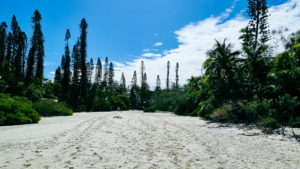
48, 107
249, 85
16, 110
150, 109
168, 100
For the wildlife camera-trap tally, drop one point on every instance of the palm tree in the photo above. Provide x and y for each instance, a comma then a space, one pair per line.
220, 71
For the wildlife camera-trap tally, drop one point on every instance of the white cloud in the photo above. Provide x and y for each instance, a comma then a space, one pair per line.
146, 50
197, 38
52, 73
151, 55
158, 44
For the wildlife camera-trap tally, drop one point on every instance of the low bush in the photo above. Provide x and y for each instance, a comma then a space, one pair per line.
51, 108
295, 122
116, 102
125, 100
221, 114
205, 107
269, 122
149, 109
101, 104
17, 110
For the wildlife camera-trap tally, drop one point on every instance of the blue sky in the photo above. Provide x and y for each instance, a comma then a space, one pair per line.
123, 30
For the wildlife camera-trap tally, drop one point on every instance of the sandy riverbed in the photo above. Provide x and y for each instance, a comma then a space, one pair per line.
139, 140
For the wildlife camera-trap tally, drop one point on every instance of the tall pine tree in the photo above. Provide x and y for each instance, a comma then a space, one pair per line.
168, 76
98, 74
258, 24
38, 39
134, 92
158, 83
83, 56
75, 86
123, 83
58, 75
111, 75
105, 77
142, 72
90, 74
66, 61
177, 76
3, 36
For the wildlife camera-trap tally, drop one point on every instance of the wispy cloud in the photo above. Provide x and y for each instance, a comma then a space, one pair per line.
151, 55
146, 50
195, 39
158, 44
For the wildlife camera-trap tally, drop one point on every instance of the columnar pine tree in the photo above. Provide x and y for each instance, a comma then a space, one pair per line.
19, 58
38, 42
83, 55
30, 66
111, 75
23, 50
145, 93
8, 69
177, 76
3, 36
158, 83
66, 61
168, 74
75, 87
134, 92
123, 83
258, 24
98, 74
142, 72
15, 35
76, 64
90, 71
144, 86
254, 38
105, 77
8, 57
134, 79
58, 75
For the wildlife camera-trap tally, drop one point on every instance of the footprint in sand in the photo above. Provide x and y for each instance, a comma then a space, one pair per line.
27, 165
68, 162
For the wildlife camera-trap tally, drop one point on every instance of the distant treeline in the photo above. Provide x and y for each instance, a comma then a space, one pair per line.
80, 84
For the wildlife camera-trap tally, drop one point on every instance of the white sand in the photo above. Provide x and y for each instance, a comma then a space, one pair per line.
139, 140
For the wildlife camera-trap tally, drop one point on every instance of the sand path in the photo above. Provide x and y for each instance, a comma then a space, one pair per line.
139, 140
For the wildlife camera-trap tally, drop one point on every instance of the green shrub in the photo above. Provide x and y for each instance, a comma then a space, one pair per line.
116, 102
181, 109
207, 117
205, 107
295, 122
221, 114
101, 104
286, 107
270, 122
125, 100
150, 109
81, 108
196, 111
16, 110
51, 108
